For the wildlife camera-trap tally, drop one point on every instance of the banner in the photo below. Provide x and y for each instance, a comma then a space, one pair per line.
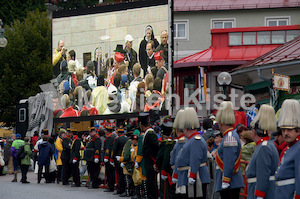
281, 82
202, 85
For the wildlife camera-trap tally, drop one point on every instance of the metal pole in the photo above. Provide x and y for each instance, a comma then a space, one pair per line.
171, 54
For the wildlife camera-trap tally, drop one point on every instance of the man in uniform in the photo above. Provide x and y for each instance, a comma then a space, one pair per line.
66, 155
117, 148
229, 177
192, 157
109, 169
263, 164
75, 158
149, 151
92, 157
162, 164
288, 172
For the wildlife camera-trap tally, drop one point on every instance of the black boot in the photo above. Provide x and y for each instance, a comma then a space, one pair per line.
145, 190
136, 193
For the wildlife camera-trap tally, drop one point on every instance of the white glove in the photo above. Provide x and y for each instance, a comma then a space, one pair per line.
122, 165
112, 164
136, 165
192, 181
174, 180
131, 150
259, 197
74, 161
96, 160
105, 160
164, 177
225, 185
118, 158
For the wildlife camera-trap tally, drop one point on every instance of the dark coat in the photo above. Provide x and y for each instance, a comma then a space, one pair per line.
45, 152
131, 58
65, 154
75, 149
143, 53
93, 149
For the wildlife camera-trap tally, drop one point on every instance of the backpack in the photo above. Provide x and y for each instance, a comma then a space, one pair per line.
21, 152
56, 154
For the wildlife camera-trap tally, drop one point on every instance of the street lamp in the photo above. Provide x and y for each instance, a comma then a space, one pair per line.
3, 40
224, 79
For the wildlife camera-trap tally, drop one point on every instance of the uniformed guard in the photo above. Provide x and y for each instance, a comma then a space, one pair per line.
149, 152
65, 156
109, 169
117, 148
92, 157
192, 157
288, 172
75, 158
229, 177
263, 164
181, 140
162, 164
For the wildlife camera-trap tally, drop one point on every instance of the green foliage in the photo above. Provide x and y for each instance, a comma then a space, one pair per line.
25, 62
72, 4
17, 9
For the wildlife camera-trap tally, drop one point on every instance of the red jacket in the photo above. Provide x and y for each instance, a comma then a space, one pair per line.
93, 110
240, 118
70, 112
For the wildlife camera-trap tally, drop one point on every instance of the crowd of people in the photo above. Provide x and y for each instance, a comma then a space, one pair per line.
130, 82
168, 157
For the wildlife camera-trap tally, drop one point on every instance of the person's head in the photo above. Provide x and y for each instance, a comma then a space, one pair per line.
149, 80
45, 138
128, 41
144, 120
13, 136
177, 124
27, 139
90, 67
71, 55
60, 45
210, 143
278, 136
78, 93
157, 84
148, 32
159, 60
45, 132
64, 66
96, 54
136, 70
79, 74
117, 80
93, 131
65, 101
207, 123
240, 129
218, 136
225, 116
247, 136
150, 47
123, 70
134, 139
264, 122
189, 122
154, 71
164, 37
62, 133
72, 66
36, 133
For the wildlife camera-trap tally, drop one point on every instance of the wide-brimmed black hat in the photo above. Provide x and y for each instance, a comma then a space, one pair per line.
144, 119
166, 127
119, 48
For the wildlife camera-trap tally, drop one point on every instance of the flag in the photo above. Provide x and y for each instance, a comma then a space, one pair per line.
281, 82
202, 85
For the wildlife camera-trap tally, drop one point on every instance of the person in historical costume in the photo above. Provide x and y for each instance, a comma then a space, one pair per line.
288, 173
263, 164
75, 158
192, 157
229, 177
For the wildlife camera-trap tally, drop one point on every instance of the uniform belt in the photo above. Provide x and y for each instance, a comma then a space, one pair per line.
285, 182
252, 180
188, 167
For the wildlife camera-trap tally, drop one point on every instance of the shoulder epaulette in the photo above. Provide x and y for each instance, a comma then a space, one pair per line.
265, 143
230, 140
197, 137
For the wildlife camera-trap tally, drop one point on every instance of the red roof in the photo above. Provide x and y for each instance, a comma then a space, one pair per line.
289, 51
230, 55
197, 5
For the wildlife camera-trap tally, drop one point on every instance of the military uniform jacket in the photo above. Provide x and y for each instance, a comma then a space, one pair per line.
261, 170
163, 159
126, 155
179, 144
288, 173
228, 161
75, 149
66, 152
93, 149
108, 144
139, 156
150, 144
117, 148
192, 159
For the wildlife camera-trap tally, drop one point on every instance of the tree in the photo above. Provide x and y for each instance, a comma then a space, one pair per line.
18, 9
25, 62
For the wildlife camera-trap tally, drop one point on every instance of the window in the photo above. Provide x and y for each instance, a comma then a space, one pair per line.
235, 38
278, 37
181, 29
22, 115
249, 38
277, 21
292, 34
264, 37
189, 83
222, 23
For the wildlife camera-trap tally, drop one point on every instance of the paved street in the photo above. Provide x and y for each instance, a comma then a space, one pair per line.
33, 190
